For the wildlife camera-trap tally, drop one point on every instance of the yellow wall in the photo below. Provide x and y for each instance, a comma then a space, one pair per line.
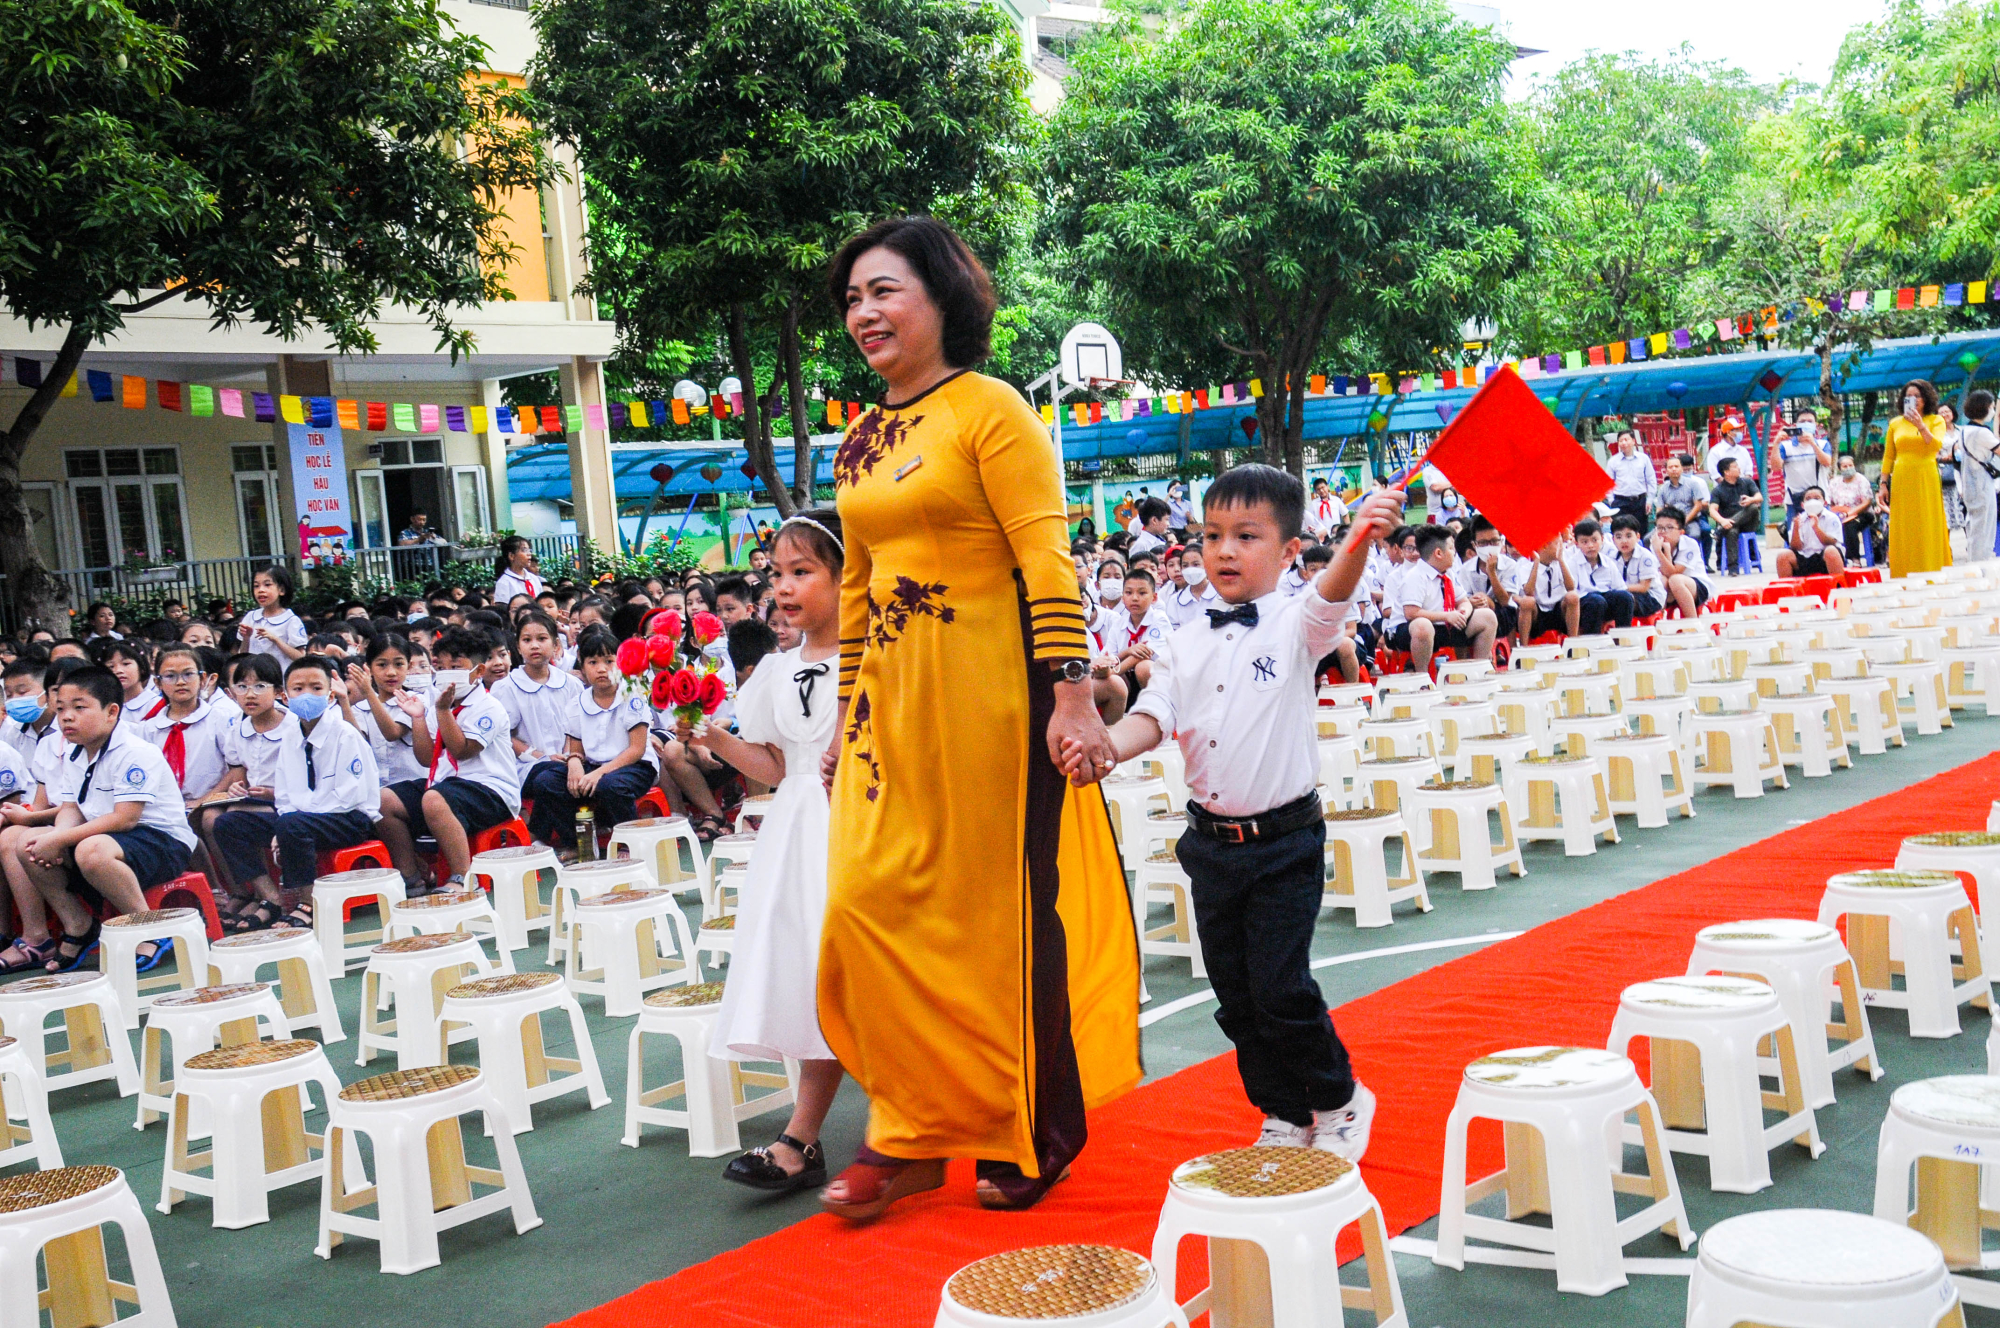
526, 272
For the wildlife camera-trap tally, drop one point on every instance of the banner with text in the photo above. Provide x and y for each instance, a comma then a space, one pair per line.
319, 495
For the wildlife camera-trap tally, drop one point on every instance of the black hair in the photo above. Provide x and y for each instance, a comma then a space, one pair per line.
1978, 404
1626, 521
365, 628
1814, 488
1925, 388
1586, 528
102, 651
627, 619
1152, 507
262, 668
507, 547
536, 619
1673, 514
1247, 486
325, 641
58, 669
1429, 537
1462, 540
212, 660
1686, 459
385, 642
1082, 548
192, 652
468, 642
319, 662
99, 682
812, 532
1316, 553
1141, 574
737, 586
193, 623
749, 641
1147, 557
951, 276
24, 666
704, 585
1725, 464
597, 642
280, 578
91, 612
486, 618
425, 625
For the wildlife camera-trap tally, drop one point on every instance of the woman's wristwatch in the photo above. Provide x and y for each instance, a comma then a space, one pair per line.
1070, 670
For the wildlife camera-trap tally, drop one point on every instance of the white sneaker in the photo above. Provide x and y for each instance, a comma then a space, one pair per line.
1344, 1132
1283, 1134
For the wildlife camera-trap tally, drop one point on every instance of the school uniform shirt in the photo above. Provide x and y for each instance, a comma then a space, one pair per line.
511, 583
1325, 515
1722, 452
1398, 589
1240, 699
1817, 532
1145, 542
605, 731
1183, 604
47, 762
287, 627
24, 738
1631, 476
1291, 582
482, 720
395, 758
1423, 586
1686, 496
1641, 572
1593, 577
15, 780
536, 711
1549, 585
1121, 633
257, 753
1471, 579
1799, 459
342, 778
139, 711
126, 769
203, 734
1687, 552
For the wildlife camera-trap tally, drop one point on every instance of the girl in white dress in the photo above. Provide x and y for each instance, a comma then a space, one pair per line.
784, 719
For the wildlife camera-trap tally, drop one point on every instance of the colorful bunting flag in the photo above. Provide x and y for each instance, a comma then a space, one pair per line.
1884, 299
680, 409
29, 372
1597, 355
454, 418
636, 412
347, 413
1617, 349
1682, 338
572, 421
593, 416
264, 406
1906, 297
617, 415
1201, 398
169, 394
405, 416
319, 412
427, 419
853, 411
100, 382
134, 392
1927, 297
476, 419
232, 402
1975, 292
201, 400
377, 417
1657, 343
1317, 385
292, 408
1954, 294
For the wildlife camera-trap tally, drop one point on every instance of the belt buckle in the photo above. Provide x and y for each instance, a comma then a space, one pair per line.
1237, 832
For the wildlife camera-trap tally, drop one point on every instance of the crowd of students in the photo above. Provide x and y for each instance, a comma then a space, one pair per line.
245, 746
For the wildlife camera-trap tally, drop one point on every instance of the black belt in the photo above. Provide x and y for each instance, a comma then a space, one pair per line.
1294, 815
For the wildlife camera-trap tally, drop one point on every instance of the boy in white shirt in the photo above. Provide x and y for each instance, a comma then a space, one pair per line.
1488, 577
29, 713
1556, 594
32, 944
1813, 539
326, 794
1433, 614
1681, 561
120, 827
473, 782
1237, 690
1600, 582
605, 759
1640, 568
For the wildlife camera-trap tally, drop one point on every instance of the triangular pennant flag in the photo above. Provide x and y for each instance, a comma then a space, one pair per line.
232, 402
201, 400
170, 395
377, 416
405, 416
1516, 464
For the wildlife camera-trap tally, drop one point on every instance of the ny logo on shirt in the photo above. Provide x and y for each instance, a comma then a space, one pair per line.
1266, 668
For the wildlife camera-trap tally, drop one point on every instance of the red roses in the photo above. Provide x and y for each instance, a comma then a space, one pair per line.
707, 627
632, 657
684, 687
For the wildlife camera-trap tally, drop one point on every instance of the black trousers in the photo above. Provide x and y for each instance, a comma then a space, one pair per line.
1602, 606
1630, 505
301, 835
554, 817
1256, 906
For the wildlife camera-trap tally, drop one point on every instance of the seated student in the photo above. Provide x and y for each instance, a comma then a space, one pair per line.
1557, 602
606, 763
695, 774
1600, 582
499, 662
1644, 579
1680, 561
1135, 631
326, 794
1813, 539
132, 664
30, 715
214, 669
1433, 615
471, 782
1296, 578
1487, 577
120, 827
32, 945
273, 629
1312, 561
536, 697
250, 744
381, 720
189, 729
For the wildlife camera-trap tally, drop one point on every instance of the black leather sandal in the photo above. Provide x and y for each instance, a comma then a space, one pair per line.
760, 1171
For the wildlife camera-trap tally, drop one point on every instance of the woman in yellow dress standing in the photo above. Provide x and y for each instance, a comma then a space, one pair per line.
1919, 540
978, 967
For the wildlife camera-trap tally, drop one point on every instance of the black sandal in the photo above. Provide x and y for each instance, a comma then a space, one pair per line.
301, 916
760, 1171
260, 915
35, 955
708, 829
71, 951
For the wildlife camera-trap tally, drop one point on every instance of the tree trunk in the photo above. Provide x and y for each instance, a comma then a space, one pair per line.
1294, 387
756, 424
795, 383
39, 599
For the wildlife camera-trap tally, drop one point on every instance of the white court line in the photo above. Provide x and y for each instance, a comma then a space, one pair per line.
1192, 999
1424, 1249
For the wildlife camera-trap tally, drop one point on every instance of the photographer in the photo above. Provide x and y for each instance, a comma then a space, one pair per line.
1801, 454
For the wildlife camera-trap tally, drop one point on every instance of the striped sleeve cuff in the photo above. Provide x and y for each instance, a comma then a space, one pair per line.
850, 664
1057, 629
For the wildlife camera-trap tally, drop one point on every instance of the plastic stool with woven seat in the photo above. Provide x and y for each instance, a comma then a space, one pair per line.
24, 1098
1340, 720
1162, 879
636, 941
1819, 1268
1130, 797
1270, 1218
254, 1095
1644, 778
1529, 712
118, 941
1736, 748
729, 850
1576, 735
1562, 798
1454, 720
1704, 1035
750, 812
1946, 1131
304, 992
1803, 962
1974, 852
1101, 1286
1460, 839
513, 876
191, 1022
715, 938
1357, 852
1809, 733
1491, 758
656, 841
1385, 783
1921, 683
57, 1218
413, 974
1339, 758
1927, 911
1558, 1107
583, 880
465, 912
1384, 738
331, 896
715, 1091
504, 1012
93, 1024
422, 1183
1713, 697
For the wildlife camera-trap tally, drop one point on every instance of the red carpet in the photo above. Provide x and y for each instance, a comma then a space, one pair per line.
1557, 984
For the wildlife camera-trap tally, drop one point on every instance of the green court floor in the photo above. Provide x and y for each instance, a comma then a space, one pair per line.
615, 1218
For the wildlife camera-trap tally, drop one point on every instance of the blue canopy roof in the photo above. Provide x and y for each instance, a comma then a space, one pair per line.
542, 471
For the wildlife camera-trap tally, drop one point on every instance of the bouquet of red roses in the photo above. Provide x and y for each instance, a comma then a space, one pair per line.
677, 677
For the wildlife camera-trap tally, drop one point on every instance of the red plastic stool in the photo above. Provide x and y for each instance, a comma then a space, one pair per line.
188, 890
1862, 576
1822, 586
1731, 599
369, 852
653, 803
1783, 588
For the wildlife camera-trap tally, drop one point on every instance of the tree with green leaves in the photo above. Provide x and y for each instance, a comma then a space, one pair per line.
295, 165
730, 146
1261, 178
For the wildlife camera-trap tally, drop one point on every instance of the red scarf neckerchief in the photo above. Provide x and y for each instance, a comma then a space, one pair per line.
175, 748
437, 746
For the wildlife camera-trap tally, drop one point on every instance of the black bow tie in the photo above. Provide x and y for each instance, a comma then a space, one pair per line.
1242, 613
805, 678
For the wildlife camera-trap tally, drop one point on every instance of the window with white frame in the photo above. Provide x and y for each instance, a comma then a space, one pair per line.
128, 505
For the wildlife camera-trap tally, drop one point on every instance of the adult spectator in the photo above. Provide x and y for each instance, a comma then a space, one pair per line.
1737, 506
1180, 512
1852, 499
1802, 451
1919, 540
419, 530
1126, 512
1683, 489
1812, 539
1977, 469
1632, 478
1448, 508
1728, 446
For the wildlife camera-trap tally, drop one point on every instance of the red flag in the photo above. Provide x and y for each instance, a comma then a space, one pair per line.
552, 419
378, 416
170, 395
853, 411
1516, 464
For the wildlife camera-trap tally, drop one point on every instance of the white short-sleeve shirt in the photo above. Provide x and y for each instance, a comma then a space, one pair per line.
342, 778
537, 711
286, 626
126, 769
605, 731
256, 754
15, 779
483, 720
203, 736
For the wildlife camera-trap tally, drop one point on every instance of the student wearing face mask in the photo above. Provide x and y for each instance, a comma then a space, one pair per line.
1812, 539
1852, 499
1186, 600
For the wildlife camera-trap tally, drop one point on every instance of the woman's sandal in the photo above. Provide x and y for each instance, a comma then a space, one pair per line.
761, 1171
71, 951
261, 915
876, 1180
33, 955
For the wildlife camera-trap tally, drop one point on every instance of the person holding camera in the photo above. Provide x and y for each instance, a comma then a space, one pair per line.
1802, 452
1912, 492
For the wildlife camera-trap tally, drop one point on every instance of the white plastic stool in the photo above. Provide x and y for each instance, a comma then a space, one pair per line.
1384, 738
1782, 679
1926, 910
93, 1025
1593, 693
1491, 759
1819, 1268
750, 812
1346, 693
1666, 715
464, 912
1384, 783
1974, 852
1270, 1217
505, 1014
1162, 879
715, 938
1947, 1131
331, 895
1526, 658
1459, 836
1577, 735
583, 880
422, 1183
1868, 712
1357, 849
1529, 712
57, 1218
1339, 759
1921, 682
1644, 778
730, 850
304, 992
1561, 1109
1451, 671
1830, 662
192, 1022
1456, 719
1130, 797
1098, 1286
1809, 968
1704, 1034
119, 939
23, 1097
254, 1093
513, 876
1340, 720
1808, 732
637, 940
1644, 679
1712, 697
656, 841
1972, 675
1562, 798
714, 1090
1737, 748
413, 974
